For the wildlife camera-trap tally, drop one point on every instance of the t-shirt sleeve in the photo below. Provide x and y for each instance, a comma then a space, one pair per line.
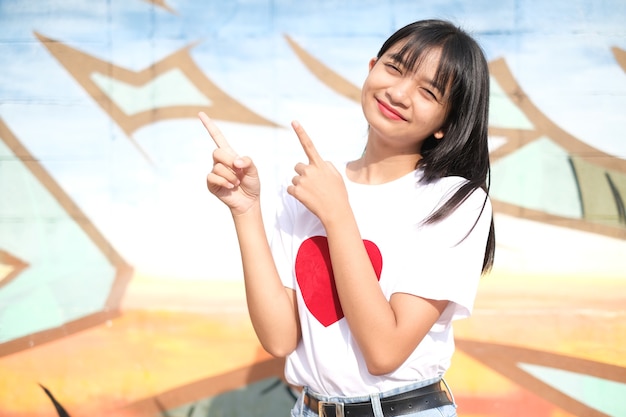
446, 258
282, 236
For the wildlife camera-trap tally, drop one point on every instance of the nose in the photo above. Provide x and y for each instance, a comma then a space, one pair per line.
399, 92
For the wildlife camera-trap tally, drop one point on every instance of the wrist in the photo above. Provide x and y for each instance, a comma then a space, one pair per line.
243, 214
336, 217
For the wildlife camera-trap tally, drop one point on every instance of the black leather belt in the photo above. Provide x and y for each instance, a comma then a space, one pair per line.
430, 396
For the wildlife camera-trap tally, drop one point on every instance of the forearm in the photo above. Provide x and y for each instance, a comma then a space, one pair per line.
271, 310
385, 331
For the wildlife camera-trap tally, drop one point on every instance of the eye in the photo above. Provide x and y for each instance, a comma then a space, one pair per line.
392, 67
429, 93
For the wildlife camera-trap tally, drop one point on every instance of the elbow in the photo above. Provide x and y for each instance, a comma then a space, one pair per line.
280, 348
278, 352
382, 365
380, 370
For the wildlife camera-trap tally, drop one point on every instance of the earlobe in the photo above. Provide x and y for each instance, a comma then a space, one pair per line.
438, 134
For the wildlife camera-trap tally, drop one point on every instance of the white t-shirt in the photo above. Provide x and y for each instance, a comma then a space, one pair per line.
431, 261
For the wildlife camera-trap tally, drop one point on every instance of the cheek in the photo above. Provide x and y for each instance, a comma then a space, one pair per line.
368, 102
363, 95
445, 117
436, 113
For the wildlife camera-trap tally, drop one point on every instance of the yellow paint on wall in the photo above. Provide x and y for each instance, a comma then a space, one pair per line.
468, 377
136, 356
5, 270
583, 317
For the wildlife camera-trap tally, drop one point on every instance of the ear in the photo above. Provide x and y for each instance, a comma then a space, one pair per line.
372, 63
438, 134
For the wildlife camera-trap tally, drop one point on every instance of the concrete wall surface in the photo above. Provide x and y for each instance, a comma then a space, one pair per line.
120, 280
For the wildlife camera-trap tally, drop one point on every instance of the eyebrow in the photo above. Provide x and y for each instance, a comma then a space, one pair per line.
399, 59
433, 84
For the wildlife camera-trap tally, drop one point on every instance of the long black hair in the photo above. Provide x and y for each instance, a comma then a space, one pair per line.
462, 74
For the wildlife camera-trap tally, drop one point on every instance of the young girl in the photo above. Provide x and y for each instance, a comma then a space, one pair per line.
373, 259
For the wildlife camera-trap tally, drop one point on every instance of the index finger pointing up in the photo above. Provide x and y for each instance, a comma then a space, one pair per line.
215, 133
306, 142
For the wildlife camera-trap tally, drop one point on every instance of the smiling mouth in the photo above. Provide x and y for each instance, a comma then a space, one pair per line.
389, 112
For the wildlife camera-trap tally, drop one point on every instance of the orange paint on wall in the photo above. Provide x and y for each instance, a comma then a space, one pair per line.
136, 356
155, 346
582, 317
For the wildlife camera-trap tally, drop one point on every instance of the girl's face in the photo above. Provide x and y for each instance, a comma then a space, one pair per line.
404, 108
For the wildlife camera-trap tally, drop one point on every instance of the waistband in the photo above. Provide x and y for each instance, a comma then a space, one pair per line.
419, 399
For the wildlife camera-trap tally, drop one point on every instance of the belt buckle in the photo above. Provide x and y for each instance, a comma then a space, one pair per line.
330, 409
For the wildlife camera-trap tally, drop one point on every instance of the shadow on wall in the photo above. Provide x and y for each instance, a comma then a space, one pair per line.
269, 397
255, 391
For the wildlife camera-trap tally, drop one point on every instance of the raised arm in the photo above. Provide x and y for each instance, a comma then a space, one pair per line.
272, 307
387, 332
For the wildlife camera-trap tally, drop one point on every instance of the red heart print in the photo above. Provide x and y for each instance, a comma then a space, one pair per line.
315, 277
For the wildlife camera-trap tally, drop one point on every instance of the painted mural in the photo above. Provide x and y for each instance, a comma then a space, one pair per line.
120, 282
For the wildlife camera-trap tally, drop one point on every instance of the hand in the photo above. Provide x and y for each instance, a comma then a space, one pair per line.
233, 179
318, 185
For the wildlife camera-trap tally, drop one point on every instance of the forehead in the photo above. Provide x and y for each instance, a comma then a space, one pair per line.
414, 56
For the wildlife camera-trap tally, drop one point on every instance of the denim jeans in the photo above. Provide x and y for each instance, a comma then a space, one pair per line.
300, 410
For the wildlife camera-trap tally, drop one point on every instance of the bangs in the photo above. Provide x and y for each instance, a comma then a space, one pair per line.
416, 49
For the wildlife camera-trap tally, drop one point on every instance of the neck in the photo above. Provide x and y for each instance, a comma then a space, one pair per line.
377, 169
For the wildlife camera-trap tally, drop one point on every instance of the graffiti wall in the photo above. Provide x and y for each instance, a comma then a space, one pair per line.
120, 280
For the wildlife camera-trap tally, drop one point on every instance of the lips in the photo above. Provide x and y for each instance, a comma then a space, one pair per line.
389, 111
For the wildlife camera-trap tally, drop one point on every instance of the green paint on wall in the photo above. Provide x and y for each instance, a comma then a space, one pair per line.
538, 176
599, 199
601, 394
503, 112
67, 277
